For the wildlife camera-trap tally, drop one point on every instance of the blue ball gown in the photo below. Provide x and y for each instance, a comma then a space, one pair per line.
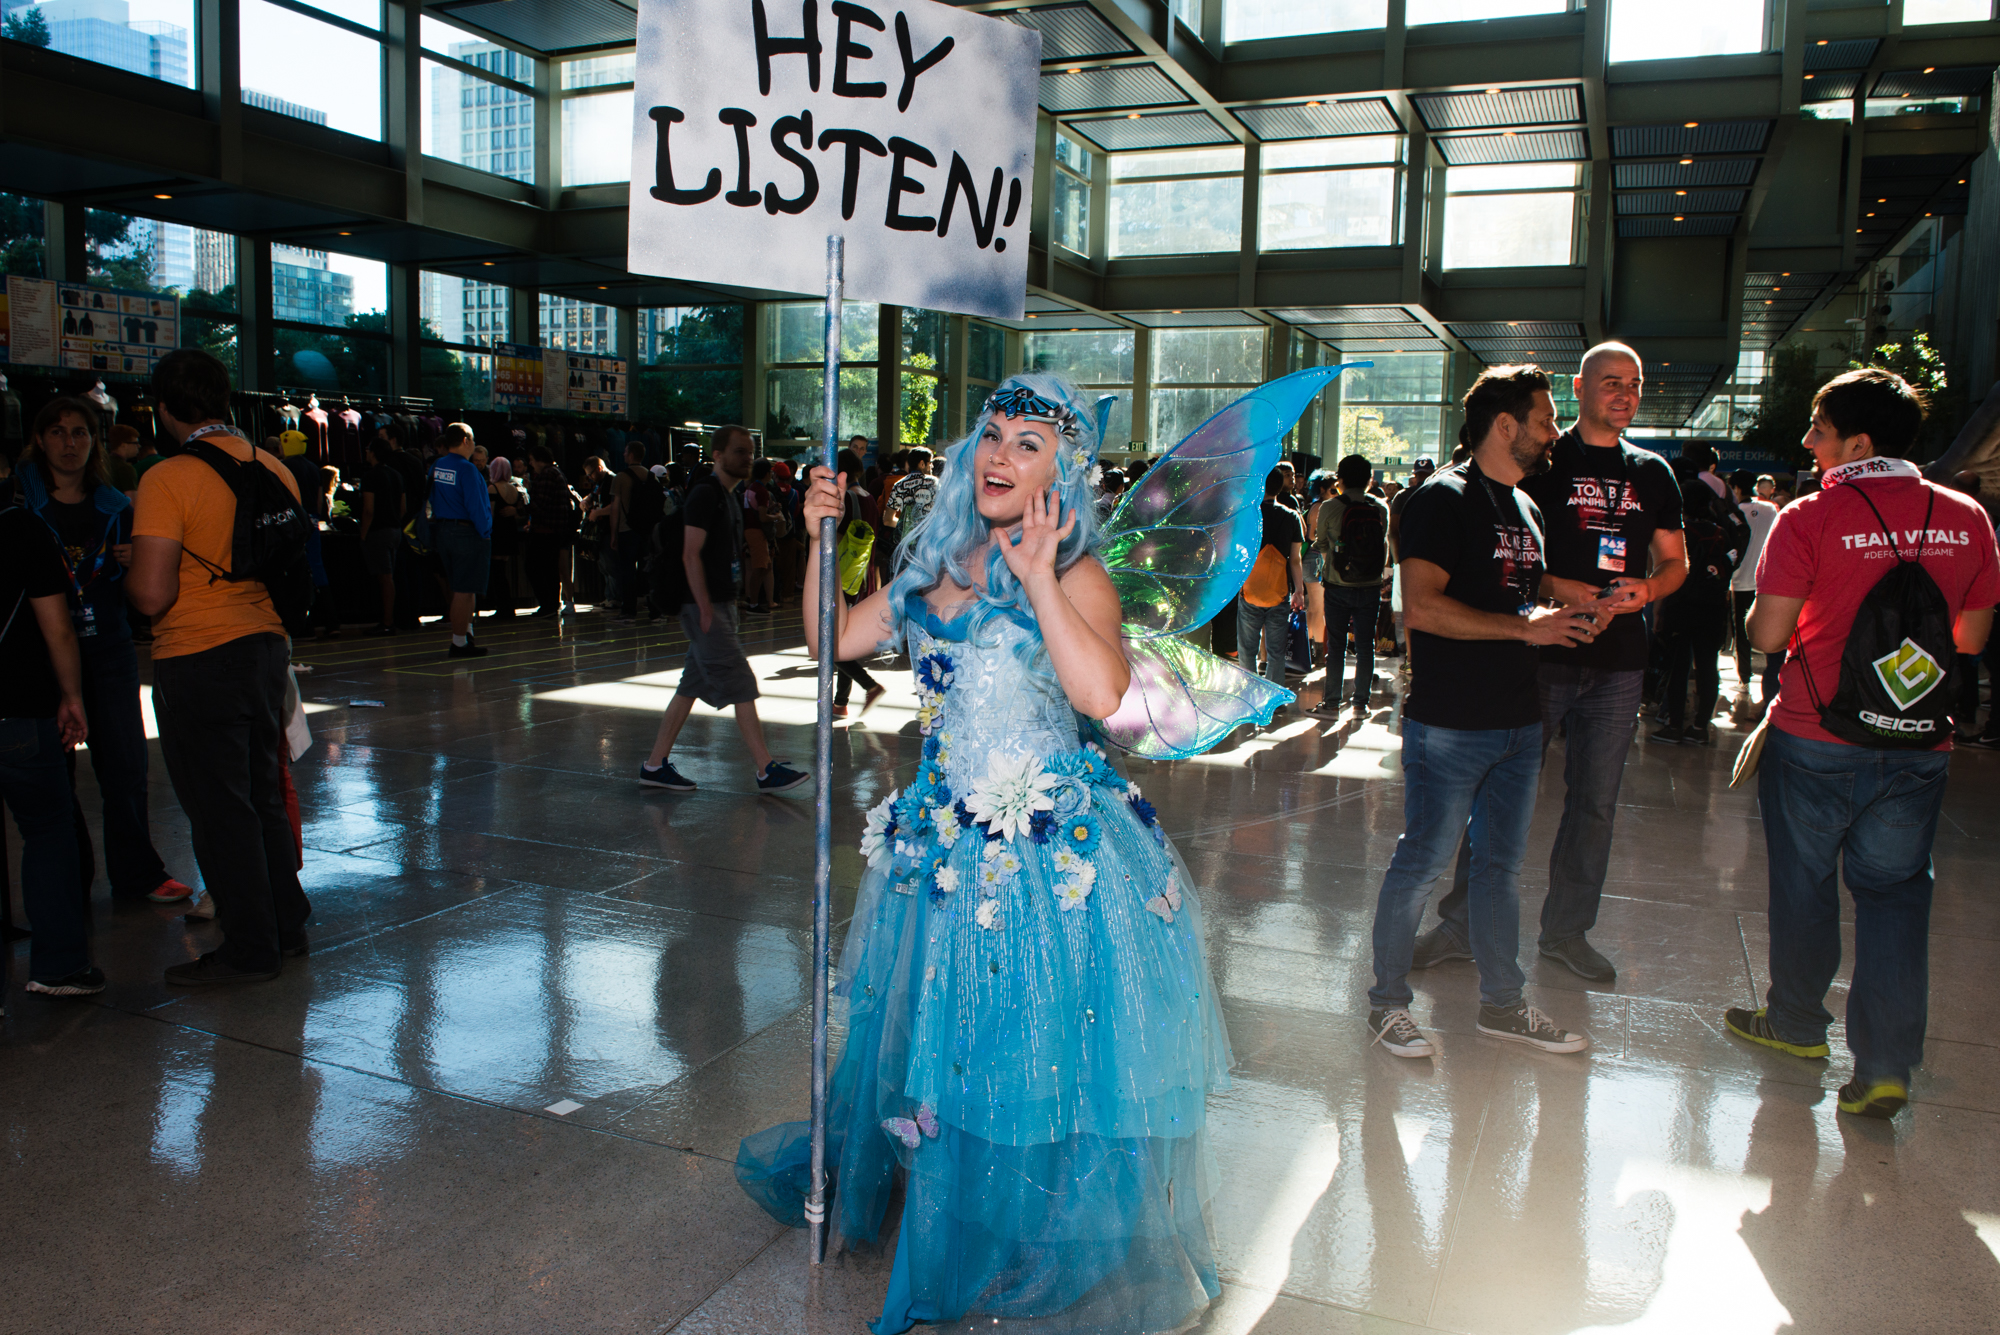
1032, 1032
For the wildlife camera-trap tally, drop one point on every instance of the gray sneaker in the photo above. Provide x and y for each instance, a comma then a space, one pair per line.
1436, 946
1580, 958
1396, 1031
1525, 1024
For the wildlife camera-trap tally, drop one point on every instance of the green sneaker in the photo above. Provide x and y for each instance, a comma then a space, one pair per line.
1879, 1098
1756, 1027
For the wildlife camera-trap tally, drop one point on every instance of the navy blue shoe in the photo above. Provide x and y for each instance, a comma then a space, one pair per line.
666, 776
780, 778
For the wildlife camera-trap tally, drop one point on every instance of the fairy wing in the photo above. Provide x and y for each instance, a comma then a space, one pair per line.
1181, 544
1183, 539
1184, 700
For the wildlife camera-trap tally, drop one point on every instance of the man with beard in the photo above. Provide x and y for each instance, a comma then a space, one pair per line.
1472, 725
716, 672
1614, 515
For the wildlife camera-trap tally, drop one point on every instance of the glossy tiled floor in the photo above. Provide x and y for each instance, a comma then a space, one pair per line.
507, 925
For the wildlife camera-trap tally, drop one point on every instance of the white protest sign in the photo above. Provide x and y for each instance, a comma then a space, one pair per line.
761, 127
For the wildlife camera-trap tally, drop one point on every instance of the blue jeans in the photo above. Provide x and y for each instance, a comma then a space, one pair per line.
1827, 809
1359, 609
1480, 784
34, 780
1602, 709
1269, 627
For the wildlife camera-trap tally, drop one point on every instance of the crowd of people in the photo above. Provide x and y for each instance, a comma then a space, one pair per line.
1545, 587
1549, 580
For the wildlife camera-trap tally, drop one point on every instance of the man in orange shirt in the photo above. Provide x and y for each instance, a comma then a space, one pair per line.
219, 659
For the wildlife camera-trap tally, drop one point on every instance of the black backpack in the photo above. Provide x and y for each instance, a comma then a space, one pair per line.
269, 540
1898, 674
1360, 545
645, 502
666, 570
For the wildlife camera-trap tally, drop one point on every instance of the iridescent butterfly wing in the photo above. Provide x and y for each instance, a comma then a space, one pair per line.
1179, 546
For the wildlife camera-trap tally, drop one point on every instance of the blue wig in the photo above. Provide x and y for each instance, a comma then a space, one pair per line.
943, 543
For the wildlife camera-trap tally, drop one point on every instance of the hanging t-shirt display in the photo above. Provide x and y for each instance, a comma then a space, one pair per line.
1602, 506
1488, 538
346, 432
313, 421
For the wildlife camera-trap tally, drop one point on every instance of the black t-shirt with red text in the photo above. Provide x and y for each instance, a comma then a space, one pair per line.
1603, 504
1488, 538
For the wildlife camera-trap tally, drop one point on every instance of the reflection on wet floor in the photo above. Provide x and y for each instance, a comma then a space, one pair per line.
504, 1092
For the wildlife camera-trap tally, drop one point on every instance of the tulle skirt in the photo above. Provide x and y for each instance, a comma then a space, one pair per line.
1034, 1064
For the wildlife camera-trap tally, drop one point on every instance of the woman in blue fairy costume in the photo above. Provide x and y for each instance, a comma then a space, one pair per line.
1032, 1032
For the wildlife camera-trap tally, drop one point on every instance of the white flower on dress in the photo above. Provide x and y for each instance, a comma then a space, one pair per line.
1068, 860
948, 829
991, 879
1014, 789
947, 879
987, 915
881, 827
1085, 875
1072, 893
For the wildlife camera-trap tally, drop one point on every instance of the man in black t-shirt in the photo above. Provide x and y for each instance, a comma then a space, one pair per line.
716, 671
1614, 514
1472, 730
41, 719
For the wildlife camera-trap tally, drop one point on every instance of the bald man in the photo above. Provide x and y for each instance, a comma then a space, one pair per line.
1614, 537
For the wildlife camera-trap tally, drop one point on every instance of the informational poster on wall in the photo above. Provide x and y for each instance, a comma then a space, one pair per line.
908, 128
517, 376
112, 331
597, 384
558, 380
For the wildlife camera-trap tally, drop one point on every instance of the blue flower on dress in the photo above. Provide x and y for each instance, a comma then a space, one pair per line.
1071, 796
1041, 825
934, 672
934, 675
1080, 833
1143, 809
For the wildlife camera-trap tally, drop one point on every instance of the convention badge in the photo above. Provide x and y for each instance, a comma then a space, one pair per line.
1611, 552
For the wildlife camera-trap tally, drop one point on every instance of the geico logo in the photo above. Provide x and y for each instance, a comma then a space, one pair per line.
1898, 724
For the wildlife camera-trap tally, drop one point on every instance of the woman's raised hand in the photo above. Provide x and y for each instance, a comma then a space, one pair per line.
1040, 537
826, 498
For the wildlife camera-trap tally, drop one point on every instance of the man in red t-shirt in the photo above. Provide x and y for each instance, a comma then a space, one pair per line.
1828, 805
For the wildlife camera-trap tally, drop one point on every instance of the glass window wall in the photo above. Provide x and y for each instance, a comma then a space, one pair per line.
1649, 30
312, 71
1392, 412
464, 311
1460, 11
1252, 20
1182, 202
579, 326
150, 37
1946, 11
1304, 206
597, 138
796, 380
1199, 372
1099, 361
690, 364
1070, 197
600, 71
476, 122
1510, 216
